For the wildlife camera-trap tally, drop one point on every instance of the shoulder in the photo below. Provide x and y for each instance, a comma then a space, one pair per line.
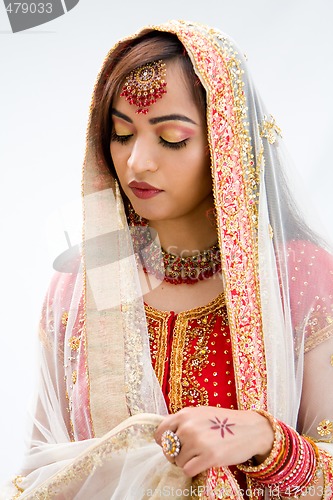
310, 270
308, 254
310, 281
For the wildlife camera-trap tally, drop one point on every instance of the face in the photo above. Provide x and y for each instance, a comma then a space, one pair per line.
161, 158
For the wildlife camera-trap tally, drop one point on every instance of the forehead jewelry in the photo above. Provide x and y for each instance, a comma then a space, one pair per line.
144, 85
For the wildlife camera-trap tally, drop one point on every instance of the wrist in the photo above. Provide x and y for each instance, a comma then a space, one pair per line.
266, 433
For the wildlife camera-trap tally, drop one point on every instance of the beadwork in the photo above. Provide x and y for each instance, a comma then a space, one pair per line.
174, 269
144, 85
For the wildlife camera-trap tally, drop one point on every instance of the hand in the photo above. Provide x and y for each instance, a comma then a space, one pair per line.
216, 437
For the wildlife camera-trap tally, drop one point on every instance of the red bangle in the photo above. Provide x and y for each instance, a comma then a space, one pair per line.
292, 464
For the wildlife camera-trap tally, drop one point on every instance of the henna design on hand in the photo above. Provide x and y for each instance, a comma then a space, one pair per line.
223, 426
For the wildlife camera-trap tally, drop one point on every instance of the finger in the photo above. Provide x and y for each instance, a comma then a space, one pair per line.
187, 453
170, 459
168, 424
195, 466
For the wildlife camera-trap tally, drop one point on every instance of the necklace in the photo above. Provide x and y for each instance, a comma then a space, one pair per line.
174, 269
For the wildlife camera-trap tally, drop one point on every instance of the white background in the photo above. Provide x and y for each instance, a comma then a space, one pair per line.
47, 75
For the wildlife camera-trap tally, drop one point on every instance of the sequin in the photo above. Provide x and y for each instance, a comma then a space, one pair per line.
74, 343
270, 130
181, 352
64, 318
74, 377
325, 428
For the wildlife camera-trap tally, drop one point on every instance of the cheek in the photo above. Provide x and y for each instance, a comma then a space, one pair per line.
199, 167
117, 158
118, 166
113, 152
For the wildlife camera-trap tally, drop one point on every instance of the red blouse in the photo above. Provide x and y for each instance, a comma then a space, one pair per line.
192, 357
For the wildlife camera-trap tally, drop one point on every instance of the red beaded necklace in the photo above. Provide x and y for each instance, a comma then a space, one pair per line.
174, 269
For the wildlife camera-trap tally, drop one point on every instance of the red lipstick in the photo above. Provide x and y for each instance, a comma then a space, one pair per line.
144, 190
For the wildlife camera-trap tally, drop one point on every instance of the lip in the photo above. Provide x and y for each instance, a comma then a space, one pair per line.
144, 190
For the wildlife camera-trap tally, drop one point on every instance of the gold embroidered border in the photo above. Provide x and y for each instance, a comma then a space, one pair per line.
161, 317
235, 180
178, 348
91, 460
318, 337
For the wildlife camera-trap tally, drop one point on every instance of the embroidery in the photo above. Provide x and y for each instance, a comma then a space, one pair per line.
269, 129
326, 463
74, 377
64, 319
83, 330
130, 437
46, 328
16, 482
191, 352
185, 365
235, 182
158, 337
317, 337
74, 343
325, 428
221, 483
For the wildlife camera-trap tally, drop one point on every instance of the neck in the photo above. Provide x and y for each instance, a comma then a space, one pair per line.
187, 235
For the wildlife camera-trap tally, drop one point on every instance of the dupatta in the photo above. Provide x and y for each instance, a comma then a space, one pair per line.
99, 401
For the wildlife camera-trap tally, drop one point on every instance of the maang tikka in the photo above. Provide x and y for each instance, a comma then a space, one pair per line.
144, 85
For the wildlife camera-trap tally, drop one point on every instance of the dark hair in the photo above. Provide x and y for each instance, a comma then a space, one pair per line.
126, 57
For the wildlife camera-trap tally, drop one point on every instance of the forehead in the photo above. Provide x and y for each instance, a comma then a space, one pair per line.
177, 99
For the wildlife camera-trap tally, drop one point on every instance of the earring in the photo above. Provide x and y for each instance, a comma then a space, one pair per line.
135, 219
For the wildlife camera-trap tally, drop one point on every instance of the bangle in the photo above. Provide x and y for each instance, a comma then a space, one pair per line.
296, 469
292, 465
276, 452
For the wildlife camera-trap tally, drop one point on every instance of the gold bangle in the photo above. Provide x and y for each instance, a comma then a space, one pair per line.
314, 446
276, 452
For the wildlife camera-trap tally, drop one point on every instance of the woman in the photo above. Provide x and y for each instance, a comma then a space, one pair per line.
201, 292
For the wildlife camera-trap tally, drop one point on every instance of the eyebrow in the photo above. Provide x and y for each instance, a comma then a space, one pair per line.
158, 119
173, 117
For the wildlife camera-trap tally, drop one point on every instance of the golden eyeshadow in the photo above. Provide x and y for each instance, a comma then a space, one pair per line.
175, 135
122, 129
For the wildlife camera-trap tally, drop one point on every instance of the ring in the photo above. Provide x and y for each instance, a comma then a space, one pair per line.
170, 443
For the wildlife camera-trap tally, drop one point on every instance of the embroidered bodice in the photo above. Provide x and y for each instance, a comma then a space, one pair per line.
191, 355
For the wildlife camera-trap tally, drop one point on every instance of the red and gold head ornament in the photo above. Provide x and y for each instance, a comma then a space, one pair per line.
144, 85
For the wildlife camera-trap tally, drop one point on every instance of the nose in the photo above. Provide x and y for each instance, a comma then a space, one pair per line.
141, 158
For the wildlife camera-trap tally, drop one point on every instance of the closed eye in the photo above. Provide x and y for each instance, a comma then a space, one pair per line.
122, 139
173, 145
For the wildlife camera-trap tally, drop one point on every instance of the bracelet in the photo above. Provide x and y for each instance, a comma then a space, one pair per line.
292, 465
274, 457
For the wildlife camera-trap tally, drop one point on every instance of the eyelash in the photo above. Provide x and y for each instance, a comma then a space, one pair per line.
122, 139
173, 145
